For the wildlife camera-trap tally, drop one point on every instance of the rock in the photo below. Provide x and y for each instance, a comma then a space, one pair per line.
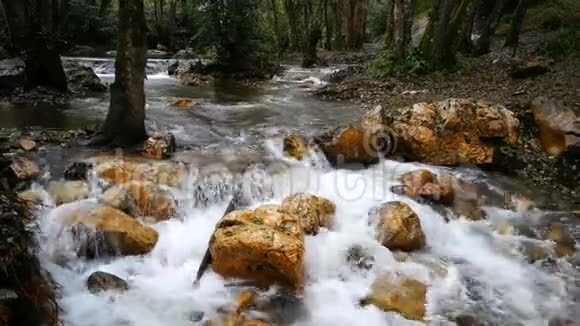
466, 320
312, 211
31, 196
27, 144
558, 125
12, 74
77, 171
451, 132
105, 231
144, 199
101, 281
184, 54
359, 257
17, 169
399, 294
172, 67
159, 146
82, 78
351, 144
295, 146
157, 54
565, 245
399, 228
561, 322
63, 192
186, 103
529, 68
82, 51
507, 228
265, 246
422, 184
120, 171
534, 252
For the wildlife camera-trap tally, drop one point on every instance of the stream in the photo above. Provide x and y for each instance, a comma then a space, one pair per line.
238, 130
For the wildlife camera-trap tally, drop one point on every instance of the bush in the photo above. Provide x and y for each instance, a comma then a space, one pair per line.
384, 65
564, 44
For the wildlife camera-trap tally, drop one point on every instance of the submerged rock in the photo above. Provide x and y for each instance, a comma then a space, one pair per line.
63, 192
265, 246
77, 171
295, 146
450, 132
82, 51
399, 227
565, 244
105, 231
121, 171
17, 170
145, 199
27, 144
359, 257
312, 211
101, 281
399, 294
31, 196
186, 103
159, 145
558, 125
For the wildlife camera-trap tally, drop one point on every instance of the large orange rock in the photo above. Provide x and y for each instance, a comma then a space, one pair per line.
395, 293
104, 230
295, 146
145, 199
352, 144
265, 246
451, 132
399, 227
313, 211
121, 171
424, 184
557, 125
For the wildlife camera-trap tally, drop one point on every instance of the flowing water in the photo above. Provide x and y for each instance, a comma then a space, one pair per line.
234, 139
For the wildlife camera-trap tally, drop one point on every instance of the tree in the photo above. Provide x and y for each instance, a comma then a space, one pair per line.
125, 122
356, 23
312, 25
513, 36
31, 26
489, 27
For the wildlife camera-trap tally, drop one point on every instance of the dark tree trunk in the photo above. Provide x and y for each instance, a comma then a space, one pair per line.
427, 38
390, 23
465, 43
398, 30
5, 27
513, 36
172, 25
484, 42
312, 22
356, 23
30, 23
408, 15
292, 8
328, 27
125, 123
339, 9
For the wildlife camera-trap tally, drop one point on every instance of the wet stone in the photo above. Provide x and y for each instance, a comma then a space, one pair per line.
101, 281
77, 171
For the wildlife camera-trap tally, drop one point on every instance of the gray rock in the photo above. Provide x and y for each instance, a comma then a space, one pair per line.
12, 74
82, 78
82, 51
101, 281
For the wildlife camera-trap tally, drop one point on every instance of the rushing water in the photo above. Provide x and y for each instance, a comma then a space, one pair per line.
470, 269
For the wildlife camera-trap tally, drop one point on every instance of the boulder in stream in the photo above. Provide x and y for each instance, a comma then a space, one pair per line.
396, 293
399, 227
124, 170
145, 199
312, 211
63, 192
265, 246
101, 281
77, 171
526, 68
451, 132
295, 146
82, 78
105, 231
159, 145
565, 244
17, 169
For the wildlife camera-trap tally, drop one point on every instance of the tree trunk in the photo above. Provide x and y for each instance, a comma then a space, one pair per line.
484, 42
398, 30
465, 43
390, 23
125, 123
171, 25
356, 19
328, 27
441, 56
339, 10
5, 26
513, 36
34, 37
409, 14
427, 38
292, 9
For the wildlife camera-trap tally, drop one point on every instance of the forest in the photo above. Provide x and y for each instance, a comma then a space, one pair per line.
289, 162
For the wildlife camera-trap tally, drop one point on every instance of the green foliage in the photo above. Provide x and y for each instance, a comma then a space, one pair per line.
564, 44
384, 65
553, 14
377, 17
85, 26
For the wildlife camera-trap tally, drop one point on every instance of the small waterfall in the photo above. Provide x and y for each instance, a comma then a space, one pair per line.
105, 67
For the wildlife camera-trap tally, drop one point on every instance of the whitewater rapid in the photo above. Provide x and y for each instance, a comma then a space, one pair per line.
460, 255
